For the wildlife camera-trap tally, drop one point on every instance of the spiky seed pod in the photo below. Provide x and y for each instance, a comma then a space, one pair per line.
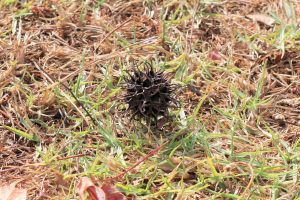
148, 93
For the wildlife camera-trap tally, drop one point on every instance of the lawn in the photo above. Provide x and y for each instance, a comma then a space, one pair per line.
233, 132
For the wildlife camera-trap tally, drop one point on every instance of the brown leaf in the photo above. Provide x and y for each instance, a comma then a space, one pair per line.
10, 192
262, 18
105, 192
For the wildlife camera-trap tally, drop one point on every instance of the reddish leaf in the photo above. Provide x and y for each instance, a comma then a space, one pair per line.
96, 193
215, 55
83, 185
105, 192
10, 192
112, 193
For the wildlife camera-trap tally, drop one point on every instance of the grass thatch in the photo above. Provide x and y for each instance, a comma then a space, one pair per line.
235, 134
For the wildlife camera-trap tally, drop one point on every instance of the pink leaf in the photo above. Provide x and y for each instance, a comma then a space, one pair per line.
215, 55
10, 192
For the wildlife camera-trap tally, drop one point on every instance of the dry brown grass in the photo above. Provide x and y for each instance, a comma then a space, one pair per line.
241, 141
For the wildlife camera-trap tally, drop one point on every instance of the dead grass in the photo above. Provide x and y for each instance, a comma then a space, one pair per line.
235, 134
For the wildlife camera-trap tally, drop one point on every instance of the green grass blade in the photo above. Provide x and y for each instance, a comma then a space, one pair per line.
23, 134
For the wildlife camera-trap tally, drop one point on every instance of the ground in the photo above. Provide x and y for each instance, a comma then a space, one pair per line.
233, 135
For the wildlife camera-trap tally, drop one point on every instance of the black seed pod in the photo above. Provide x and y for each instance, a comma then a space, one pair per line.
148, 93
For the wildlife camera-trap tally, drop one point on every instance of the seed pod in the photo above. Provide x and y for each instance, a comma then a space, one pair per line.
148, 93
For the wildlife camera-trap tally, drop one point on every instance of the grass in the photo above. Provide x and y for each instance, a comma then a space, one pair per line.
234, 135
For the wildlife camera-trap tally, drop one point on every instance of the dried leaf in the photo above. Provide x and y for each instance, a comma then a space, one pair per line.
105, 192
10, 192
82, 186
112, 193
262, 18
215, 55
96, 193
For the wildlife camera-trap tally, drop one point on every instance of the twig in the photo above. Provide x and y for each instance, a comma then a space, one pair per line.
75, 156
